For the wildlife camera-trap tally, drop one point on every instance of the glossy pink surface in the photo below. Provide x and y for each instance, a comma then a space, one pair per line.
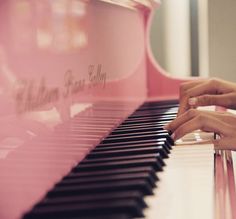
70, 71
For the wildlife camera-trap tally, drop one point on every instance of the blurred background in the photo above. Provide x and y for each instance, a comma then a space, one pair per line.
196, 37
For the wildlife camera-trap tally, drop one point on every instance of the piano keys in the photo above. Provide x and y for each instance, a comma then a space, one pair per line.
83, 104
114, 177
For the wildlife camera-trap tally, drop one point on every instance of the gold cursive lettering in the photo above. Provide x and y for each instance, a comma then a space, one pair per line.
72, 86
96, 76
30, 97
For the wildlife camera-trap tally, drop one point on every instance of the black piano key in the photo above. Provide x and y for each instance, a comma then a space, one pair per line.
152, 123
89, 198
150, 109
83, 198
132, 158
155, 136
120, 164
152, 113
141, 185
136, 129
160, 102
107, 160
162, 120
163, 110
91, 173
133, 144
154, 108
143, 125
130, 207
150, 118
133, 135
158, 105
126, 151
138, 133
111, 160
101, 216
161, 141
156, 111
110, 178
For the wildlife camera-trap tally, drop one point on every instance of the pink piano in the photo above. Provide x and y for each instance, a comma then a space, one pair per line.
83, 103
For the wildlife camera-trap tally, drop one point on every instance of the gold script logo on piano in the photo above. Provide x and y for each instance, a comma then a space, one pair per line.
33, 94
73, 85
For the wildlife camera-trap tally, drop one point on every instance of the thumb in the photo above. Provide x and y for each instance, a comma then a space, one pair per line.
227, 143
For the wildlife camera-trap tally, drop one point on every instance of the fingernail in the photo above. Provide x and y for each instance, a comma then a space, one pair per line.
192, 101
173, 136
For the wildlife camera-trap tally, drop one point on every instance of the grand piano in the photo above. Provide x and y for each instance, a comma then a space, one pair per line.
83, 104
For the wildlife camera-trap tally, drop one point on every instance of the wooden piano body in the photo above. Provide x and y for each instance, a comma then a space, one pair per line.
86, 62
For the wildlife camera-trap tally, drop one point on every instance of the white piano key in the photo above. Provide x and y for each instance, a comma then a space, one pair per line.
186, 187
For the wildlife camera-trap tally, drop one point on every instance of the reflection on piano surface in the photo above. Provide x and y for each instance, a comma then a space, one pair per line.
83, 103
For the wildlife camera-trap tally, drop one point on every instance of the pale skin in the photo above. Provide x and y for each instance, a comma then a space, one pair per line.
205, 93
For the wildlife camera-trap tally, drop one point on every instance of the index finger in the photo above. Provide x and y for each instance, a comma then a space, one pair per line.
205, 123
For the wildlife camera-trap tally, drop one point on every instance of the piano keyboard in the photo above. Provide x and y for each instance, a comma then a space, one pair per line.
113, 179
119, 177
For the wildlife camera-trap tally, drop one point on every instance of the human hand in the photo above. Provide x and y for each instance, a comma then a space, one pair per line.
224, 124
207, 92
